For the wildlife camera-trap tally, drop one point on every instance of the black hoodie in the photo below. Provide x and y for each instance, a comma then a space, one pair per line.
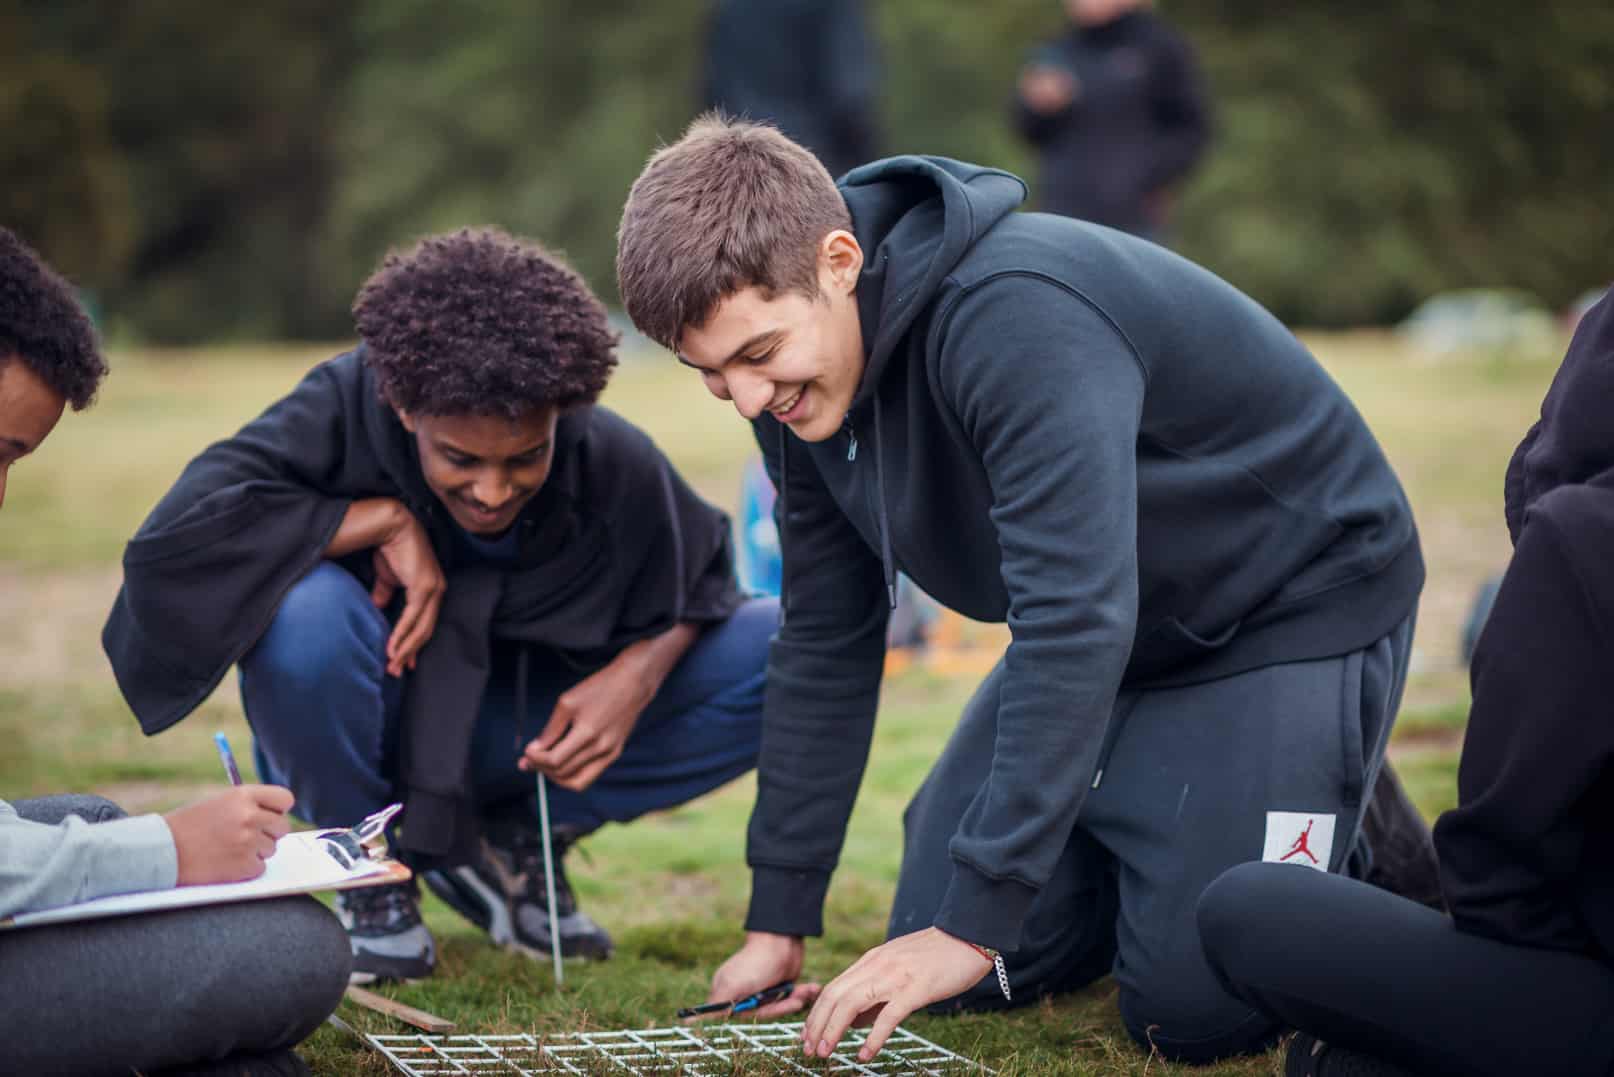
1528, 854
614, 548
1079, 433
1138, 124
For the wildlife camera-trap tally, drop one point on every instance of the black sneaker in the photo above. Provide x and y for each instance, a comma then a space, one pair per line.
1310, 1057
389, 940
503, 893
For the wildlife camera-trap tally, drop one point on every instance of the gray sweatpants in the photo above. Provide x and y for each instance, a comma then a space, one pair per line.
1272, 763
164, 989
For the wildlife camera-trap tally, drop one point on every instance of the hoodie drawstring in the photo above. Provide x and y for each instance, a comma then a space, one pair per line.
784, 518
521, 697
888, 570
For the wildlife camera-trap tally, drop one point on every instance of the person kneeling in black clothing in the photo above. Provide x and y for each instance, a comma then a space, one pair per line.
1520, 978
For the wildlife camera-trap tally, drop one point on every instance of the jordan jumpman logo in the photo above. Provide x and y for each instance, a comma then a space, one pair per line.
1302, 845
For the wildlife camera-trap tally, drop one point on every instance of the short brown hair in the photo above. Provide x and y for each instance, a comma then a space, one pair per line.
730, 205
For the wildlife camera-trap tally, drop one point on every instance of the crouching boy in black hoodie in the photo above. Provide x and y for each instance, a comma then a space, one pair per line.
442, 571
1520, 977
1207, 566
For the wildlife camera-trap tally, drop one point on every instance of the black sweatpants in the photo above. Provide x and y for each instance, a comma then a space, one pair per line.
1273, 763
1364, 969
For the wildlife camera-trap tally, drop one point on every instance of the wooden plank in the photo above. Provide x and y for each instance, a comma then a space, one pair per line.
380, 1004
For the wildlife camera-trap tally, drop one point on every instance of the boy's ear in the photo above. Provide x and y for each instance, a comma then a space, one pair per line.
405, 418
840, 259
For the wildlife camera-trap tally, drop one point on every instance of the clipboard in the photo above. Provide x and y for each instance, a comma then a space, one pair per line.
304, 862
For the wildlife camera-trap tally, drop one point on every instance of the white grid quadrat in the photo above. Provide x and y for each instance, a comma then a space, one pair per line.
712, 1050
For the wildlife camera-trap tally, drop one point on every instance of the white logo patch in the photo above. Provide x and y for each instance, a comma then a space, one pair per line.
1299, 837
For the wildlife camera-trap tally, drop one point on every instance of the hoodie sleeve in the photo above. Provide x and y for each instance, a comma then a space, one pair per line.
205, 573
824, 669
1538, 739
44, 866
1051, 395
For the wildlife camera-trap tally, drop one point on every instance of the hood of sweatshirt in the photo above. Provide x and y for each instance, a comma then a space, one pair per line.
1573, 441
896, 204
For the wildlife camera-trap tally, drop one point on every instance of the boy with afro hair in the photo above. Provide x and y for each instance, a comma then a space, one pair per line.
1206, 565
442, 571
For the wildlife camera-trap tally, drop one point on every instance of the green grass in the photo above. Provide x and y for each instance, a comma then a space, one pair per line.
672, 887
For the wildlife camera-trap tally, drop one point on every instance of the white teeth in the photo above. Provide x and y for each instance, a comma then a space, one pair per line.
787, 405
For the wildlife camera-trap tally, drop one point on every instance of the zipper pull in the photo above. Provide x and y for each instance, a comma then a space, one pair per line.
851, 449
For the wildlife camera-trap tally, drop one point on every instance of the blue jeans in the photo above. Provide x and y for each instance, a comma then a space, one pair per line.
325, 715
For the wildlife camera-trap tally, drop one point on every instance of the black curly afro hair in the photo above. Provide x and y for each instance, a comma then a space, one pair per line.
477, 322
43, 325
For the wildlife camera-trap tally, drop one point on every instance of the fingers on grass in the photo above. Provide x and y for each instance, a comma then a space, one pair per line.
886, 1021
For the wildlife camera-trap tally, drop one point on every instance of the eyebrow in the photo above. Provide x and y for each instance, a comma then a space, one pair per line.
760, 338
449, 446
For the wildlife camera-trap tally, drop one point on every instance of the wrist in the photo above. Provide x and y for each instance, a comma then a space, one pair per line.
775, 942
994, 962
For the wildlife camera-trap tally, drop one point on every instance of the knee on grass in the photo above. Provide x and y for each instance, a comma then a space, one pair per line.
1195, 1030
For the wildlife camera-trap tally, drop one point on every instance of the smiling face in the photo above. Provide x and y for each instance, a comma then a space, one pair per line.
484, 469
29, 410
796, 356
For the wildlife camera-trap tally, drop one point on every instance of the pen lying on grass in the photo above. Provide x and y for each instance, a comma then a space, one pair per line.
740, 1005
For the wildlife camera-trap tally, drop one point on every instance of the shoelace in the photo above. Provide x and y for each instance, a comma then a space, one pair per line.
383, 908
527, 855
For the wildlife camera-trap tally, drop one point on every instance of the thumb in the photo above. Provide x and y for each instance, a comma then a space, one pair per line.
559, 719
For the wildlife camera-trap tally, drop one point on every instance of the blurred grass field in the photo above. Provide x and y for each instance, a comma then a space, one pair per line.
672, 887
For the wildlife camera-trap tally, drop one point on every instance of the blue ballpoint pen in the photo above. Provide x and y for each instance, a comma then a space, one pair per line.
229, 758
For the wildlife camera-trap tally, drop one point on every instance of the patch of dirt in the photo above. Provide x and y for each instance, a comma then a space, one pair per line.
50, 624
138, 798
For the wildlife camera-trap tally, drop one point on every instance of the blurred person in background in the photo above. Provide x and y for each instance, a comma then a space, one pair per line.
809, 67
138, 992
1116, 109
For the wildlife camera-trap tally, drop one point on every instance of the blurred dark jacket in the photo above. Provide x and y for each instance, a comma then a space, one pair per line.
808, 66
1137, 125
1525, 855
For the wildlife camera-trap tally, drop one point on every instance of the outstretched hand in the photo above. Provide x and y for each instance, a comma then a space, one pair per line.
887, 984
764, 960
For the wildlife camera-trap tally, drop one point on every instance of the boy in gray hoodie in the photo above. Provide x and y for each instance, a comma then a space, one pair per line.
1208, 569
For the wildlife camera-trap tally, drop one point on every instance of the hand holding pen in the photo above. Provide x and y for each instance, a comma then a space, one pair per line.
740, 984
226, 837
735, 1007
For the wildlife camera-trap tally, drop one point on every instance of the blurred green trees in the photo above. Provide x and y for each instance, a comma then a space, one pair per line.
222, 171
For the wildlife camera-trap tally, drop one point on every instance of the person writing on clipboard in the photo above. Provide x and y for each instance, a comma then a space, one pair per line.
139, 992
